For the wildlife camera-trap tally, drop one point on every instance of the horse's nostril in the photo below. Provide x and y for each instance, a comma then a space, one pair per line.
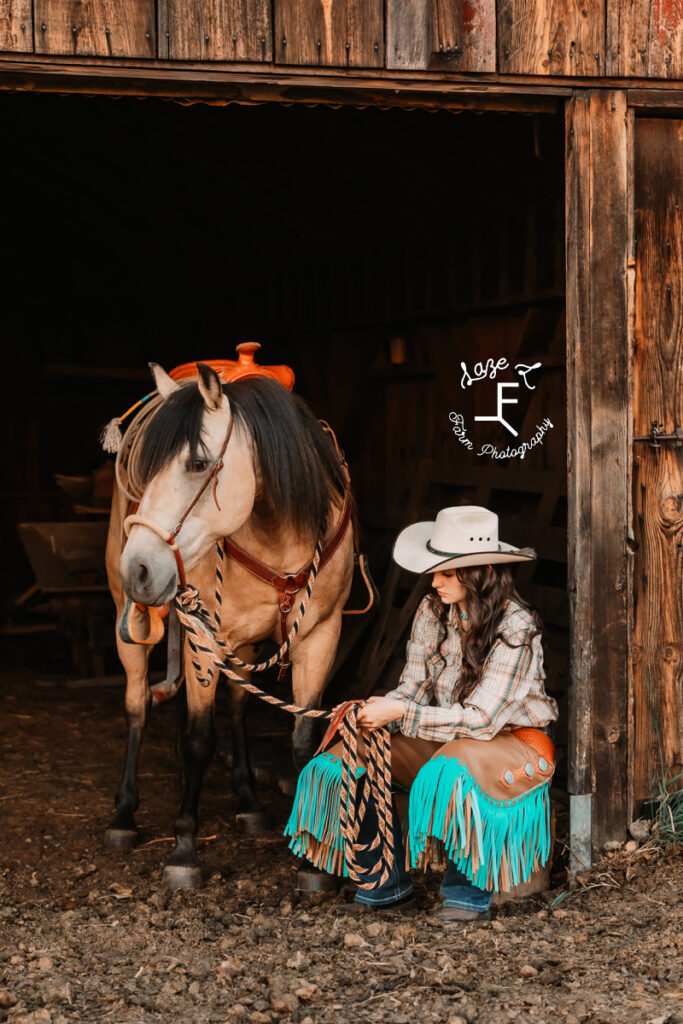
143, 573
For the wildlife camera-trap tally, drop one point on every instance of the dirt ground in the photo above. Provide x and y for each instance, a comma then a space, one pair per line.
90, 935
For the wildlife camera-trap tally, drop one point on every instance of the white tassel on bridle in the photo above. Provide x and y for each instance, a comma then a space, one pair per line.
111, 436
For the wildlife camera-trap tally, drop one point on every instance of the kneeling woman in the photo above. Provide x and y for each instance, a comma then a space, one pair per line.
470, 722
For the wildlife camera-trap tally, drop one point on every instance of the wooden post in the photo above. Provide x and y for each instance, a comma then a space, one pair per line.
598, 229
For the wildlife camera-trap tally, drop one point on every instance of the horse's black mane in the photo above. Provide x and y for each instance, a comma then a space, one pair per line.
296, 459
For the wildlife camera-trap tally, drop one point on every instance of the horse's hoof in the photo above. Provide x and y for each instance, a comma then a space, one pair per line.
315, 881
253, 823
182, 876
120, 838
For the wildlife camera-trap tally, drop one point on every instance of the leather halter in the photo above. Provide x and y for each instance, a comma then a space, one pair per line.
288, 584
170, 538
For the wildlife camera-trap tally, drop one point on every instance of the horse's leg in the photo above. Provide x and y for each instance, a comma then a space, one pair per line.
251, 814
182, 870
312, 661
122, 832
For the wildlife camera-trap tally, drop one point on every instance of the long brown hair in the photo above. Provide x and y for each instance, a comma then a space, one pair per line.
489, 588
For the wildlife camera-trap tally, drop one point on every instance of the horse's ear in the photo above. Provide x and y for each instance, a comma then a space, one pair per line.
165, 384
210, 386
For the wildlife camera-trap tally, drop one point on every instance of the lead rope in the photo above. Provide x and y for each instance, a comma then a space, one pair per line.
204, 642
352, 814
203, 636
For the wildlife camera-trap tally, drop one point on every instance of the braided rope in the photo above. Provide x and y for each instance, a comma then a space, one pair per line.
202, 634
352, 814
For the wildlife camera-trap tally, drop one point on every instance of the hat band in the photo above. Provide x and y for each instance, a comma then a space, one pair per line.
453, 554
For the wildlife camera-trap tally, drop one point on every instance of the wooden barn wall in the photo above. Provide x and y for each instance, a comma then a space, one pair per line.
658, 472
642, 38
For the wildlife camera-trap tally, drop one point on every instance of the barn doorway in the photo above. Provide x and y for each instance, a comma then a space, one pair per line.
372, 250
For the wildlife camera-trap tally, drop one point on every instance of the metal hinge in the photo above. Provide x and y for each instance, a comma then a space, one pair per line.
657, 435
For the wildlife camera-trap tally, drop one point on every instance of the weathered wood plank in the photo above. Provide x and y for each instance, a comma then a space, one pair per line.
163, 33
479, 35
645, 38
597, 456
610, 455
16, 26
561, 37
220, 30
456, 34
577, 214
342, 33
108, 28
658, 491
408, 34
447, 29
656, 100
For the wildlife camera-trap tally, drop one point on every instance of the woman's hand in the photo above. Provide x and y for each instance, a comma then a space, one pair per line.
379, 711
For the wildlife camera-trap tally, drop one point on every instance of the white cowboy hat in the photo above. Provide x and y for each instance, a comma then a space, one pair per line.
461, 536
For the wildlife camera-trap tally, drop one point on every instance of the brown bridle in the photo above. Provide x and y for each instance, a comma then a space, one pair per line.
287, 585
170, 538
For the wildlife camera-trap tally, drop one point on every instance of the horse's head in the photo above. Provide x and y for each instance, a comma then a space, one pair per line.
175, 454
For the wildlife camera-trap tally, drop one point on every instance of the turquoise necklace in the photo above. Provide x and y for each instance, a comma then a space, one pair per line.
463, 615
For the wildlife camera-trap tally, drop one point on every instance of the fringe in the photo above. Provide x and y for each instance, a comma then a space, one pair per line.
497, 844
314, 823
110, 437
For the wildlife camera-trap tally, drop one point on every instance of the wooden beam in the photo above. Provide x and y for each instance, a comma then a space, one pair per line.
653, 101
610, 414
258, 73
577, 215
204, 84
599, 128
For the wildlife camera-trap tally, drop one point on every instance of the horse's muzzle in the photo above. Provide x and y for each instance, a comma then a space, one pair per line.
148, 580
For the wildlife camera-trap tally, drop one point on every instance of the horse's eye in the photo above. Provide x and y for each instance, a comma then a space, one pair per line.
197, 466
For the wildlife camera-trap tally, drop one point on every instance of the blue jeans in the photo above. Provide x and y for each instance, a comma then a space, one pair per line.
456, 889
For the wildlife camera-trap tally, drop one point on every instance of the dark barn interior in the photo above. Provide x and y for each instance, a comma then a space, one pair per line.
371, 250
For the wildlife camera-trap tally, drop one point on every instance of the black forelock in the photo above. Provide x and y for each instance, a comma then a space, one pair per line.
297, 462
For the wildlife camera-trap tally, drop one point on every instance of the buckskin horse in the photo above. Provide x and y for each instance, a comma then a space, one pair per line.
245, 465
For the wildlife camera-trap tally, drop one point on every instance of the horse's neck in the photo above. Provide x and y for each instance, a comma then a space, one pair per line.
272, 542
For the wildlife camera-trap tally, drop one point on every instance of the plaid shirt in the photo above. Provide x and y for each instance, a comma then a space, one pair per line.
510, 692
